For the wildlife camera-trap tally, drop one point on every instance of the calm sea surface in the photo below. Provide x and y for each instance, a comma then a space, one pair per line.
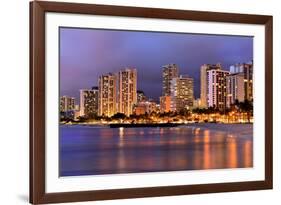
92, 150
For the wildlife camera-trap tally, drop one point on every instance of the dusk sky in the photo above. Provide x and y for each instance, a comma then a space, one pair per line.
85, 54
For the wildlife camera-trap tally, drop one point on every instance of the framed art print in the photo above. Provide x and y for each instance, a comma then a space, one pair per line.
130, 102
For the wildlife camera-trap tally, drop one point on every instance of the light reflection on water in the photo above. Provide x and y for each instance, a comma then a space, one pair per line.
86, 150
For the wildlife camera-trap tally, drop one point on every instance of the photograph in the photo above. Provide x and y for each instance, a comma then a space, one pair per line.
140, 101
148, 101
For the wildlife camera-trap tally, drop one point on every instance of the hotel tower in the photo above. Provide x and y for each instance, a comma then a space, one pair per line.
181, 93
89, 101
127, 90
216, 88
204, 82
67, 103
107, 104
169, 72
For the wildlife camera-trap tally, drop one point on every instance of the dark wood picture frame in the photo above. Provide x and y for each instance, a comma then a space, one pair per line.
38, 10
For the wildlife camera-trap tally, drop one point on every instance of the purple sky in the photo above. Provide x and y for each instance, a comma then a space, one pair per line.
86, 54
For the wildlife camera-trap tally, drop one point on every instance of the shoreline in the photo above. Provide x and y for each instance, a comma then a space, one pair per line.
136, 125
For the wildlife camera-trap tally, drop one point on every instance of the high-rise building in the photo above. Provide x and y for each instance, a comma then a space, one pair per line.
203, 82
141, 96
89, 102
181, 93
127, 95
67, 104
248, 81
107, 104
235, 88
216, 88
247, 70
169, 72
237, 68
165, 104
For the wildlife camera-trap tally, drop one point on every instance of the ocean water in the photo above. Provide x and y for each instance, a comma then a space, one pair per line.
95, 150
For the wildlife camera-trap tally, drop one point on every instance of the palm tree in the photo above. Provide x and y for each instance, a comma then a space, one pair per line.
246, 106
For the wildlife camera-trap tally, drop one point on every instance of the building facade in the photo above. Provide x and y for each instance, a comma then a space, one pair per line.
89, 102
203, 82
169, 72
237, 68
140, 109
67, 104
247, 70
197, 103
182, 94
145, 107
248, 81
216, 88
235, 88
127, 90
151, 107
107, 103
141, 96
165, 104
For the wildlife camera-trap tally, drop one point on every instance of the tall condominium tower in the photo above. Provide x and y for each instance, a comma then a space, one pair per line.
235, 88
248, 80
89, 102
67, 104
107, 95
169, 72
181, 93
203, 82
237, 68
247, 70
127, 95
216, 88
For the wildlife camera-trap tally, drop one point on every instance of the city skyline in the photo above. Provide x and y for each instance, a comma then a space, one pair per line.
117, 93
94, 52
